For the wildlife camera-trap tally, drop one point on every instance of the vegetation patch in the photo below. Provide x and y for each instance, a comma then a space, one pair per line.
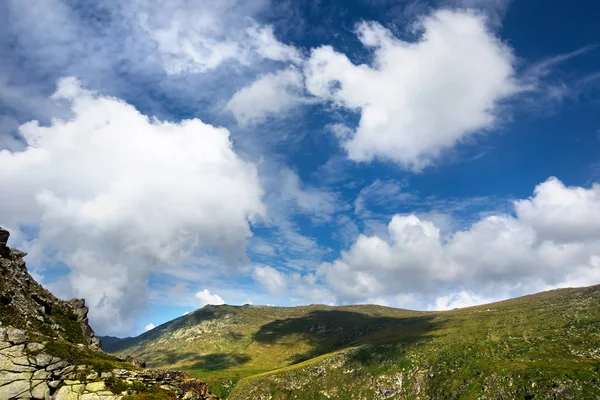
76, 355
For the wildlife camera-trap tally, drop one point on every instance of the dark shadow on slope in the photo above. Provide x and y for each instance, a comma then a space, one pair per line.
207, 362
220, 361
330, 330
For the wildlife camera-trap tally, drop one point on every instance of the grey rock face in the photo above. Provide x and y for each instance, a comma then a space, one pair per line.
31, 318
27, 372
27, 305
4, 234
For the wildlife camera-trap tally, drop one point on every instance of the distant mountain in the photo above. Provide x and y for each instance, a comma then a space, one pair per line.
543, 346
112, 344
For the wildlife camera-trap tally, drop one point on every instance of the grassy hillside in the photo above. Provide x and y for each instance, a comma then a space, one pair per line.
540, 346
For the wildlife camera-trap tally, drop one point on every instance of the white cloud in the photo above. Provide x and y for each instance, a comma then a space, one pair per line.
307, 199
417, 99
382, 194
149, 327
117, 194
267, 45
460, 299
561, 213
270, 94
271, 279
206, 297
200, 36
552, 241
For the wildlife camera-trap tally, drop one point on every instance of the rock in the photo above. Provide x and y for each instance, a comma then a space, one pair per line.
40, 390
99, 396
7, 377
54, 384
13, 351
15, 389
35, 347
57, 365
95, 386
92, 376
67, 370
138, 362
4, 250
27, 371
66, 393
17, 336
43, 360
6, 365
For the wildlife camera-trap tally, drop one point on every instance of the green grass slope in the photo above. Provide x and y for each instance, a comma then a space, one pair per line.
535, 347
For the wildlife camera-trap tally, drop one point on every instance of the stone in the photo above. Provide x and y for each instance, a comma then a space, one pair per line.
106, 375
35, 346
13, 351
67, 370
99, 396
92, 376
95, 386
138, 362
7, 365
7, 377
43, 360
17, 336
40, 389
57, 365
14, 389
4, 235
40, 375
22, 361
66, 393
54, 384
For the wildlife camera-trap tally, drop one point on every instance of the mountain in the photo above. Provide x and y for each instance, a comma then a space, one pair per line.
48, 351
542, 346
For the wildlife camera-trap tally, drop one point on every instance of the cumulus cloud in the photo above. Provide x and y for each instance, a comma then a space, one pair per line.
270, 94
149, 327
271, 279
417, 98
117, 194
562, 214
552, 241
206, 297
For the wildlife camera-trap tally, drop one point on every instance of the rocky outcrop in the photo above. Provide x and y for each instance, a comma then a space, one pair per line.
29, 371
48, 351
81, 311
4, 235
27, 305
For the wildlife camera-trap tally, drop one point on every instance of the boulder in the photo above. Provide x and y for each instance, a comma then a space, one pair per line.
4, 249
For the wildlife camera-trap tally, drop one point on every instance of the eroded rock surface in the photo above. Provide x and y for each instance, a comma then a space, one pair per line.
25, 304
28, 372
48, 351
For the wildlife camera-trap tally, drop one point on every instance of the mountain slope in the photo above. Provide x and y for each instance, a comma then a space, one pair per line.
545, 345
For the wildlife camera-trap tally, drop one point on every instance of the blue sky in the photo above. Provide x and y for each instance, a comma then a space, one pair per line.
416, 154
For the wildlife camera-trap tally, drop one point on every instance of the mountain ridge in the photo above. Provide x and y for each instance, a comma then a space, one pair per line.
249, 352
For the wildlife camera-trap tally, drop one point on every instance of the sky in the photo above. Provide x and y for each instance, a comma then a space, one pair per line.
156, 157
